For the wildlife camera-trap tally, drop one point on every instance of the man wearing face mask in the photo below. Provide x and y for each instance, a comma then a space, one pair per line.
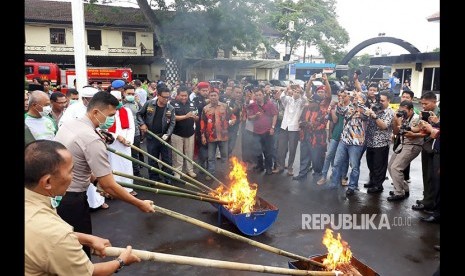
91, 163
123, 131
134, 105
78, 109
72, 96
52, 247
37, 119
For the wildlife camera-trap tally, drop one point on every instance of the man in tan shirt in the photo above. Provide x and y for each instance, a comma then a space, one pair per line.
91, 163
51, 246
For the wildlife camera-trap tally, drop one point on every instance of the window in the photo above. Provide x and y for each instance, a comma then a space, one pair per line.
57, 36
28, 70
94, 39
431, 79
129, 39
44, 70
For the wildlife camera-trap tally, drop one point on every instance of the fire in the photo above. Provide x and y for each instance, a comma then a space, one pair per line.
241, 195
338, 250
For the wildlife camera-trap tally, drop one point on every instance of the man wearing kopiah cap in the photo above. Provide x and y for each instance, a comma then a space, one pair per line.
78, 110
91, 163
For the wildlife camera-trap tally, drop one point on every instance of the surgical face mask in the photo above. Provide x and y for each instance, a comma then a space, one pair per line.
118, 107
109, 121
130, 98
73, 102
55, 201
45, 110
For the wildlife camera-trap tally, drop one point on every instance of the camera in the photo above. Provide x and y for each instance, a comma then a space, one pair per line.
376, 107
425, 115
318, 75
402, 113
358, 72
405, 128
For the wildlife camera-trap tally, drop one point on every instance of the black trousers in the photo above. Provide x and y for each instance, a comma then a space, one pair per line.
436, 185
137, 155
377, 161
427, 169
74, 209
160, 151
266, 144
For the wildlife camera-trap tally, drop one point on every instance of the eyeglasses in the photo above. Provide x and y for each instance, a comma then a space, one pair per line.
166, 97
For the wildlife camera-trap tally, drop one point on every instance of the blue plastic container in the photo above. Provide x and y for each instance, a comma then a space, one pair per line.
254, 223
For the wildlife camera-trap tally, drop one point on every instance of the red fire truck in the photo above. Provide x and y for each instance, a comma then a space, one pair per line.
57, 76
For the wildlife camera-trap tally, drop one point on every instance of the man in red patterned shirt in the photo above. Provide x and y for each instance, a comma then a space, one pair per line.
214, 123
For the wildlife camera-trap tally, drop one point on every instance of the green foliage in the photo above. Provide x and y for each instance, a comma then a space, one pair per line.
436, 50
359, 61
315, 21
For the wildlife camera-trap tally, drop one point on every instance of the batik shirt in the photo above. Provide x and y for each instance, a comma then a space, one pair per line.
375, 137
353, 132
214, 122
315, 129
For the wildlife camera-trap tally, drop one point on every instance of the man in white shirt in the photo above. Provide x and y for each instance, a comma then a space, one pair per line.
289, 134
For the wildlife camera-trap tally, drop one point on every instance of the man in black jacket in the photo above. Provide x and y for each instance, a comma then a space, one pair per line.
158, 117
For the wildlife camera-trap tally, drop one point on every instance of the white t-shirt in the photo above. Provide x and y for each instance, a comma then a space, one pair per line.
41, 128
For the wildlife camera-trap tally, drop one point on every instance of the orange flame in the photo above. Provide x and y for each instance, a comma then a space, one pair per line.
338, 250
241, 195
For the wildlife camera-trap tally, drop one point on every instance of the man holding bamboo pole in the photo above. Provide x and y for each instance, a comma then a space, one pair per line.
52, 247
91, 163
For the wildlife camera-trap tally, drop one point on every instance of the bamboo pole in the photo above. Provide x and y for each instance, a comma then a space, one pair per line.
184, 260
162, 185
185, 157
194, 181
153, 168
171, 193
234, 235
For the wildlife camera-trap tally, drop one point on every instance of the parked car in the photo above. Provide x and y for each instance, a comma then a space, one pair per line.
277, 83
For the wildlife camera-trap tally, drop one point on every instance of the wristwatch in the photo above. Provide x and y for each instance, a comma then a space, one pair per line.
121, 264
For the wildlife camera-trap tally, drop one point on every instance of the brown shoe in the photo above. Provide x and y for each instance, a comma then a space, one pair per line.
321, 181
290, 172
277, 170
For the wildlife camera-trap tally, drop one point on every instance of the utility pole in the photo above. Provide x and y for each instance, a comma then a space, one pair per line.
77, 8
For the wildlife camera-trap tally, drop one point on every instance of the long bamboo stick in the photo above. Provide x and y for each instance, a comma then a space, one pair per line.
162, 185
178, 259
233, 235
192, 180
153, 168
171, 193
185, 157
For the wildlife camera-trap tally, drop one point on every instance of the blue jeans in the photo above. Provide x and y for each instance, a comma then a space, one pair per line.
223, 147
346, 154
330, 154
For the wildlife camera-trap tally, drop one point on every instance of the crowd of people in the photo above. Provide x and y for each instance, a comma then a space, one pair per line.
70, 171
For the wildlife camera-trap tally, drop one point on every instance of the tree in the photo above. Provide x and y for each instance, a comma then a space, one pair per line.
199, 28
359, 61
314, 22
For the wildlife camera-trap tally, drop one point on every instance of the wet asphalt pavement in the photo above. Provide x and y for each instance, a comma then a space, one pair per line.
406, 248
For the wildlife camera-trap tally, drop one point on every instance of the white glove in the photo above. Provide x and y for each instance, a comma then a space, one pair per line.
165, 137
